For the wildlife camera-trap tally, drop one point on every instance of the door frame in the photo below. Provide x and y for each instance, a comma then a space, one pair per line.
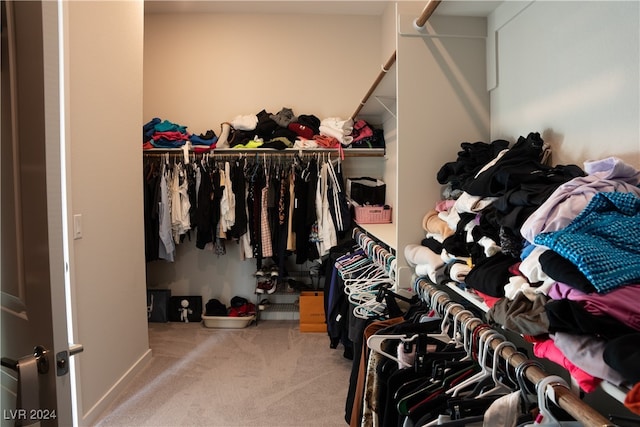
57, 157
43, 259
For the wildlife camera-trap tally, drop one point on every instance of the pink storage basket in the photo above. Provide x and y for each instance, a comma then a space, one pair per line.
373, 214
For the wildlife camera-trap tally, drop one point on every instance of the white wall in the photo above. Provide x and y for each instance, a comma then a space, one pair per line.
442, 101
569, 70
104, 113
201, 70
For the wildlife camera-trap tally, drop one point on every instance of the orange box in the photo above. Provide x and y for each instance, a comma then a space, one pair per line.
313, 327
312, 318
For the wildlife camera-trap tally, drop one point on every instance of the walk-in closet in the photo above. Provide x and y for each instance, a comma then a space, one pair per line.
440, 91
499, 126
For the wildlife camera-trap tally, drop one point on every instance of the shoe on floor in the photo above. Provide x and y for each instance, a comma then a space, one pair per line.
274, 271
264, 286
272, 286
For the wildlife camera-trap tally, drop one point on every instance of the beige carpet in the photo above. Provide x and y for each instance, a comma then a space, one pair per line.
265, 375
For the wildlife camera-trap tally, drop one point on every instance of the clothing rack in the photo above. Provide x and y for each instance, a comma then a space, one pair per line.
378, 252
564, 397
288, 152
420, 22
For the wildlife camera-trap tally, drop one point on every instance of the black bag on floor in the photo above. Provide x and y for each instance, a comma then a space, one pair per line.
215, 308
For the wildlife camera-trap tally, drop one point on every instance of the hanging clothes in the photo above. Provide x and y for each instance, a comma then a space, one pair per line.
272, 208
228, 201
291, 235
180, 204
166, 247
151, 193
203, 235
327, 237
265, 227
238, 185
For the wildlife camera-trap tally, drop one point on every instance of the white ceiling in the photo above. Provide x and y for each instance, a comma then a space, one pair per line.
327, 7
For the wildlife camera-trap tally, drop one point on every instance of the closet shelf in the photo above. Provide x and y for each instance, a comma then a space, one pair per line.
618, 393
385, 233
348, 152
282, 308
473, 299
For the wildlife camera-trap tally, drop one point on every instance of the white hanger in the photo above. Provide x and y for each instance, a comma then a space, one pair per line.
466, 337
484, 342
369, 309
358, 297
457, 323
374, 342
444, 326
544, 389
499, 387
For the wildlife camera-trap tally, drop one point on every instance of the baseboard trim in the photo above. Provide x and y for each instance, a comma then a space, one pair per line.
93, 414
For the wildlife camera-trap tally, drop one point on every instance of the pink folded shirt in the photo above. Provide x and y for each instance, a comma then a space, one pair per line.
548, 350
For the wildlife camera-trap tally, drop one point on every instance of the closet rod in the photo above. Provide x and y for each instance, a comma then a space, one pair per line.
353, 152
563, 396
426, 13
386, 67
357, 231
420, 22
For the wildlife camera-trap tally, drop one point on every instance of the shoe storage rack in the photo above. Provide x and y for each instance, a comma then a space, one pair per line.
277, 298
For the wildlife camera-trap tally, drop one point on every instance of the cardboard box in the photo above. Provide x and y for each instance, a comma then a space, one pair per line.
312, 318
313, 327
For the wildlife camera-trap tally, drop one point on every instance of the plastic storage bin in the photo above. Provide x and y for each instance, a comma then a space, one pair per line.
373, 214
227, 322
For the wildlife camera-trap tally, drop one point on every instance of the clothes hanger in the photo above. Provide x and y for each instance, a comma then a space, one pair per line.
365, 295
544, 390
433, 303
484, 339
357, 268
466, 336
499, 387
370, 309
365, 291
374, 342
455, 423
458, 323
445, 319
424, 396
528, 395
486, 373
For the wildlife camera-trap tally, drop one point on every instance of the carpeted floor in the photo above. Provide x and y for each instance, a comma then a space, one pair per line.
265, 375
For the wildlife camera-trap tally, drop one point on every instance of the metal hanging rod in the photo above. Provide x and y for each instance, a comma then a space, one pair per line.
348, 152
564, 397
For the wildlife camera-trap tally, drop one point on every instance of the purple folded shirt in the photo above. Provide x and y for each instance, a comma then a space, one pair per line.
620, 303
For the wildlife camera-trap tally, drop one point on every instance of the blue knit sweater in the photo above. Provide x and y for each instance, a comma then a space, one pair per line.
603, 241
